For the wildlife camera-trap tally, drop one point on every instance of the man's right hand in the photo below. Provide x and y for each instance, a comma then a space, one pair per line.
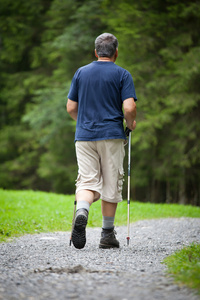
131, 126
134, 125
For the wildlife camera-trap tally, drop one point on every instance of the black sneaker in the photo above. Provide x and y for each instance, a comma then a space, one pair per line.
78, 232
108, 239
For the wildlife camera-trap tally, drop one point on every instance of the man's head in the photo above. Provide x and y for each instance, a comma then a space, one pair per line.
106, 45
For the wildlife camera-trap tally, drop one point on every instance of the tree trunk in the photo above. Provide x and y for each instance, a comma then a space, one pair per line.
182, 189
168, 192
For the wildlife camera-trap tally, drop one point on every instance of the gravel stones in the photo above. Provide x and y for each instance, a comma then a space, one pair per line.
43, 266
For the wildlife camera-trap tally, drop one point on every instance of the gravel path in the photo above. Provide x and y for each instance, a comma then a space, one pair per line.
43, 266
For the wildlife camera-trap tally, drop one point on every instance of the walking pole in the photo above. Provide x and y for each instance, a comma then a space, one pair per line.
70, 241
129, 186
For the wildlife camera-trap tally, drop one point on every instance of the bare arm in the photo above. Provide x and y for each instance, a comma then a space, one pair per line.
72, 109
130, 113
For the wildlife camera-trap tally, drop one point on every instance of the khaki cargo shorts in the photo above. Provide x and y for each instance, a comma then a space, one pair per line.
100, 168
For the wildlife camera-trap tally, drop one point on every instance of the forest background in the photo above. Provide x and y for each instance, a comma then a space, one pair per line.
43, 42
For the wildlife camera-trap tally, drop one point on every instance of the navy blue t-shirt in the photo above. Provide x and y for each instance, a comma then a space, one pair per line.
100, 89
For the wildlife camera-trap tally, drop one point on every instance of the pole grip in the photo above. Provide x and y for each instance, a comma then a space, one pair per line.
127, 131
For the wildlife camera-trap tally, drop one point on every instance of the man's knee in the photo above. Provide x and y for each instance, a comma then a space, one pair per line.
96, 196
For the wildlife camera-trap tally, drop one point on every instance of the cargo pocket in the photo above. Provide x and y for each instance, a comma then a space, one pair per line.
120, 180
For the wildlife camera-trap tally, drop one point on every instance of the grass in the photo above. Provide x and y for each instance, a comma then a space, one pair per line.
184, 265
23, 212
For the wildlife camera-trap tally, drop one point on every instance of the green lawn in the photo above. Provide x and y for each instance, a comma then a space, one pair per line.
24, 212
184, 265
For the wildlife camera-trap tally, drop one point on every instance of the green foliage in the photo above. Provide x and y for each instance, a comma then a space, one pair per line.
42, 45
184, 266
37, 134
23, 212
162, 55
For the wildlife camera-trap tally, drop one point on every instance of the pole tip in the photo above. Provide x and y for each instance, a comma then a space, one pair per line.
128, 239
70, 242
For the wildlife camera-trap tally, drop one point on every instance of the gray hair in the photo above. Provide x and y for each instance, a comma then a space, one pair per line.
106, 45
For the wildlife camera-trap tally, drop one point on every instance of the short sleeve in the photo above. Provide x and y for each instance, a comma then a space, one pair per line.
128, 88
73, 91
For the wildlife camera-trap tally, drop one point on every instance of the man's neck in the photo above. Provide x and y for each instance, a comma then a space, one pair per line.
106, 59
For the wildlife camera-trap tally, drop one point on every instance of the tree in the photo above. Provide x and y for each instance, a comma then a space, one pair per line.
21, 30
55, 38
44, 42
162, 55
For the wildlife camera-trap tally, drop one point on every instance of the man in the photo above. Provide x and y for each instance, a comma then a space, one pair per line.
97, 94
